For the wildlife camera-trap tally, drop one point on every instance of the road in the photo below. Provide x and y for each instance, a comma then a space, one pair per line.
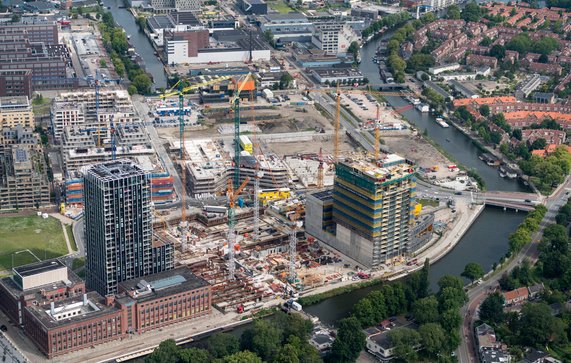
467, 350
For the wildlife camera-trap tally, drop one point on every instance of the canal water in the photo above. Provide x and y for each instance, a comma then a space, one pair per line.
139, 40
486, 240
450, 139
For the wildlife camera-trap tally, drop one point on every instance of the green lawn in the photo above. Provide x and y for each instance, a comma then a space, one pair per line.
279, 6
71, 237
428, 202
44, 237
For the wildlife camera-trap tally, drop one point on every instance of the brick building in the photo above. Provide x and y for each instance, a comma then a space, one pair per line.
51, 304
162, 299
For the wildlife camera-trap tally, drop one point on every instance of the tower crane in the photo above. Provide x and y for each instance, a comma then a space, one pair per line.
338, 92
180, 93
294, 225
235, 106
258, 175
232, 195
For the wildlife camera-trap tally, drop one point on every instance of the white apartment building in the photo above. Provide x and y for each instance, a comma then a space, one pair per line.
334, 38
78, 109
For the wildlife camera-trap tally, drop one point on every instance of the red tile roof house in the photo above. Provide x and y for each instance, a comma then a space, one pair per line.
516, 296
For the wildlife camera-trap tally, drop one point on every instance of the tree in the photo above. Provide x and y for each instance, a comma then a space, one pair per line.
537, 323
263, 338
405, 341
472, 12
194, 355
354, 49
349, 342
285, 81
16, 18
517, 134
492, 309
132, 89
450, 281
292, 325
242, 357
287, 354
453, 12
498, 51
222, 344
143, 84
425, 310
450, 319
102, 63
364, 312
377, 300
420, 62
166, 352
472, 271
433, 338
538, 144
484, 110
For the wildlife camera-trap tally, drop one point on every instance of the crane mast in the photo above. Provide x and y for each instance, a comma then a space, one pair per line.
320, 170
232, 195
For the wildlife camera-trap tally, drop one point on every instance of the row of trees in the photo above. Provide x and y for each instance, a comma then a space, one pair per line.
115, 42
538, 325
389, 21
282, 339
526, 229
523, 44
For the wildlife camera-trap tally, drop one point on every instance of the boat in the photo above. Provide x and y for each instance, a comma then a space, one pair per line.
503, 175
440, 121
422, 107
448, 140
128, 37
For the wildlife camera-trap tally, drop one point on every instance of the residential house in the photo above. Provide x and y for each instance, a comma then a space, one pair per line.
516, 296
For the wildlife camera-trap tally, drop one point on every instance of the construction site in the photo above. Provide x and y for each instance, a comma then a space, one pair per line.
247, 167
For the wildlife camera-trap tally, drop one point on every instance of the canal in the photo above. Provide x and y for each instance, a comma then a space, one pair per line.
486, 240
139, 40
450, 139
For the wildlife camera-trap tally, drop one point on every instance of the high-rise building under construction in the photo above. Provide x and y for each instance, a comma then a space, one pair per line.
371, 208
118, 226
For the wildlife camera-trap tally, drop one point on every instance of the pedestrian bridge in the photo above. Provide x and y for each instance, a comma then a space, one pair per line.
510, 200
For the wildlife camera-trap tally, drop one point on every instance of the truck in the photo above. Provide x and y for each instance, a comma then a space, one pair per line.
268, 95
293, 305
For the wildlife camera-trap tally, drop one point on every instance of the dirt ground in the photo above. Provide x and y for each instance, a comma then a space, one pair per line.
419, 150
293, 119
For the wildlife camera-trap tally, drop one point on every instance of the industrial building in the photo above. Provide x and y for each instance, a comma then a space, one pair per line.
334, 37
16, 110
288, 27
368, 215
167, 6
23, 179
142, 301
60, 316
337, 74
118, 225
195, 47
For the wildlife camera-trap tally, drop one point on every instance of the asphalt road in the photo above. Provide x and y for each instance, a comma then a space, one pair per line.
467, 350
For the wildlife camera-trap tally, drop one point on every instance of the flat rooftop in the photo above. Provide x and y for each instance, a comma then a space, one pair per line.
39, 267
390, 166
72, 310
14, 102
116, 169
162, 284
